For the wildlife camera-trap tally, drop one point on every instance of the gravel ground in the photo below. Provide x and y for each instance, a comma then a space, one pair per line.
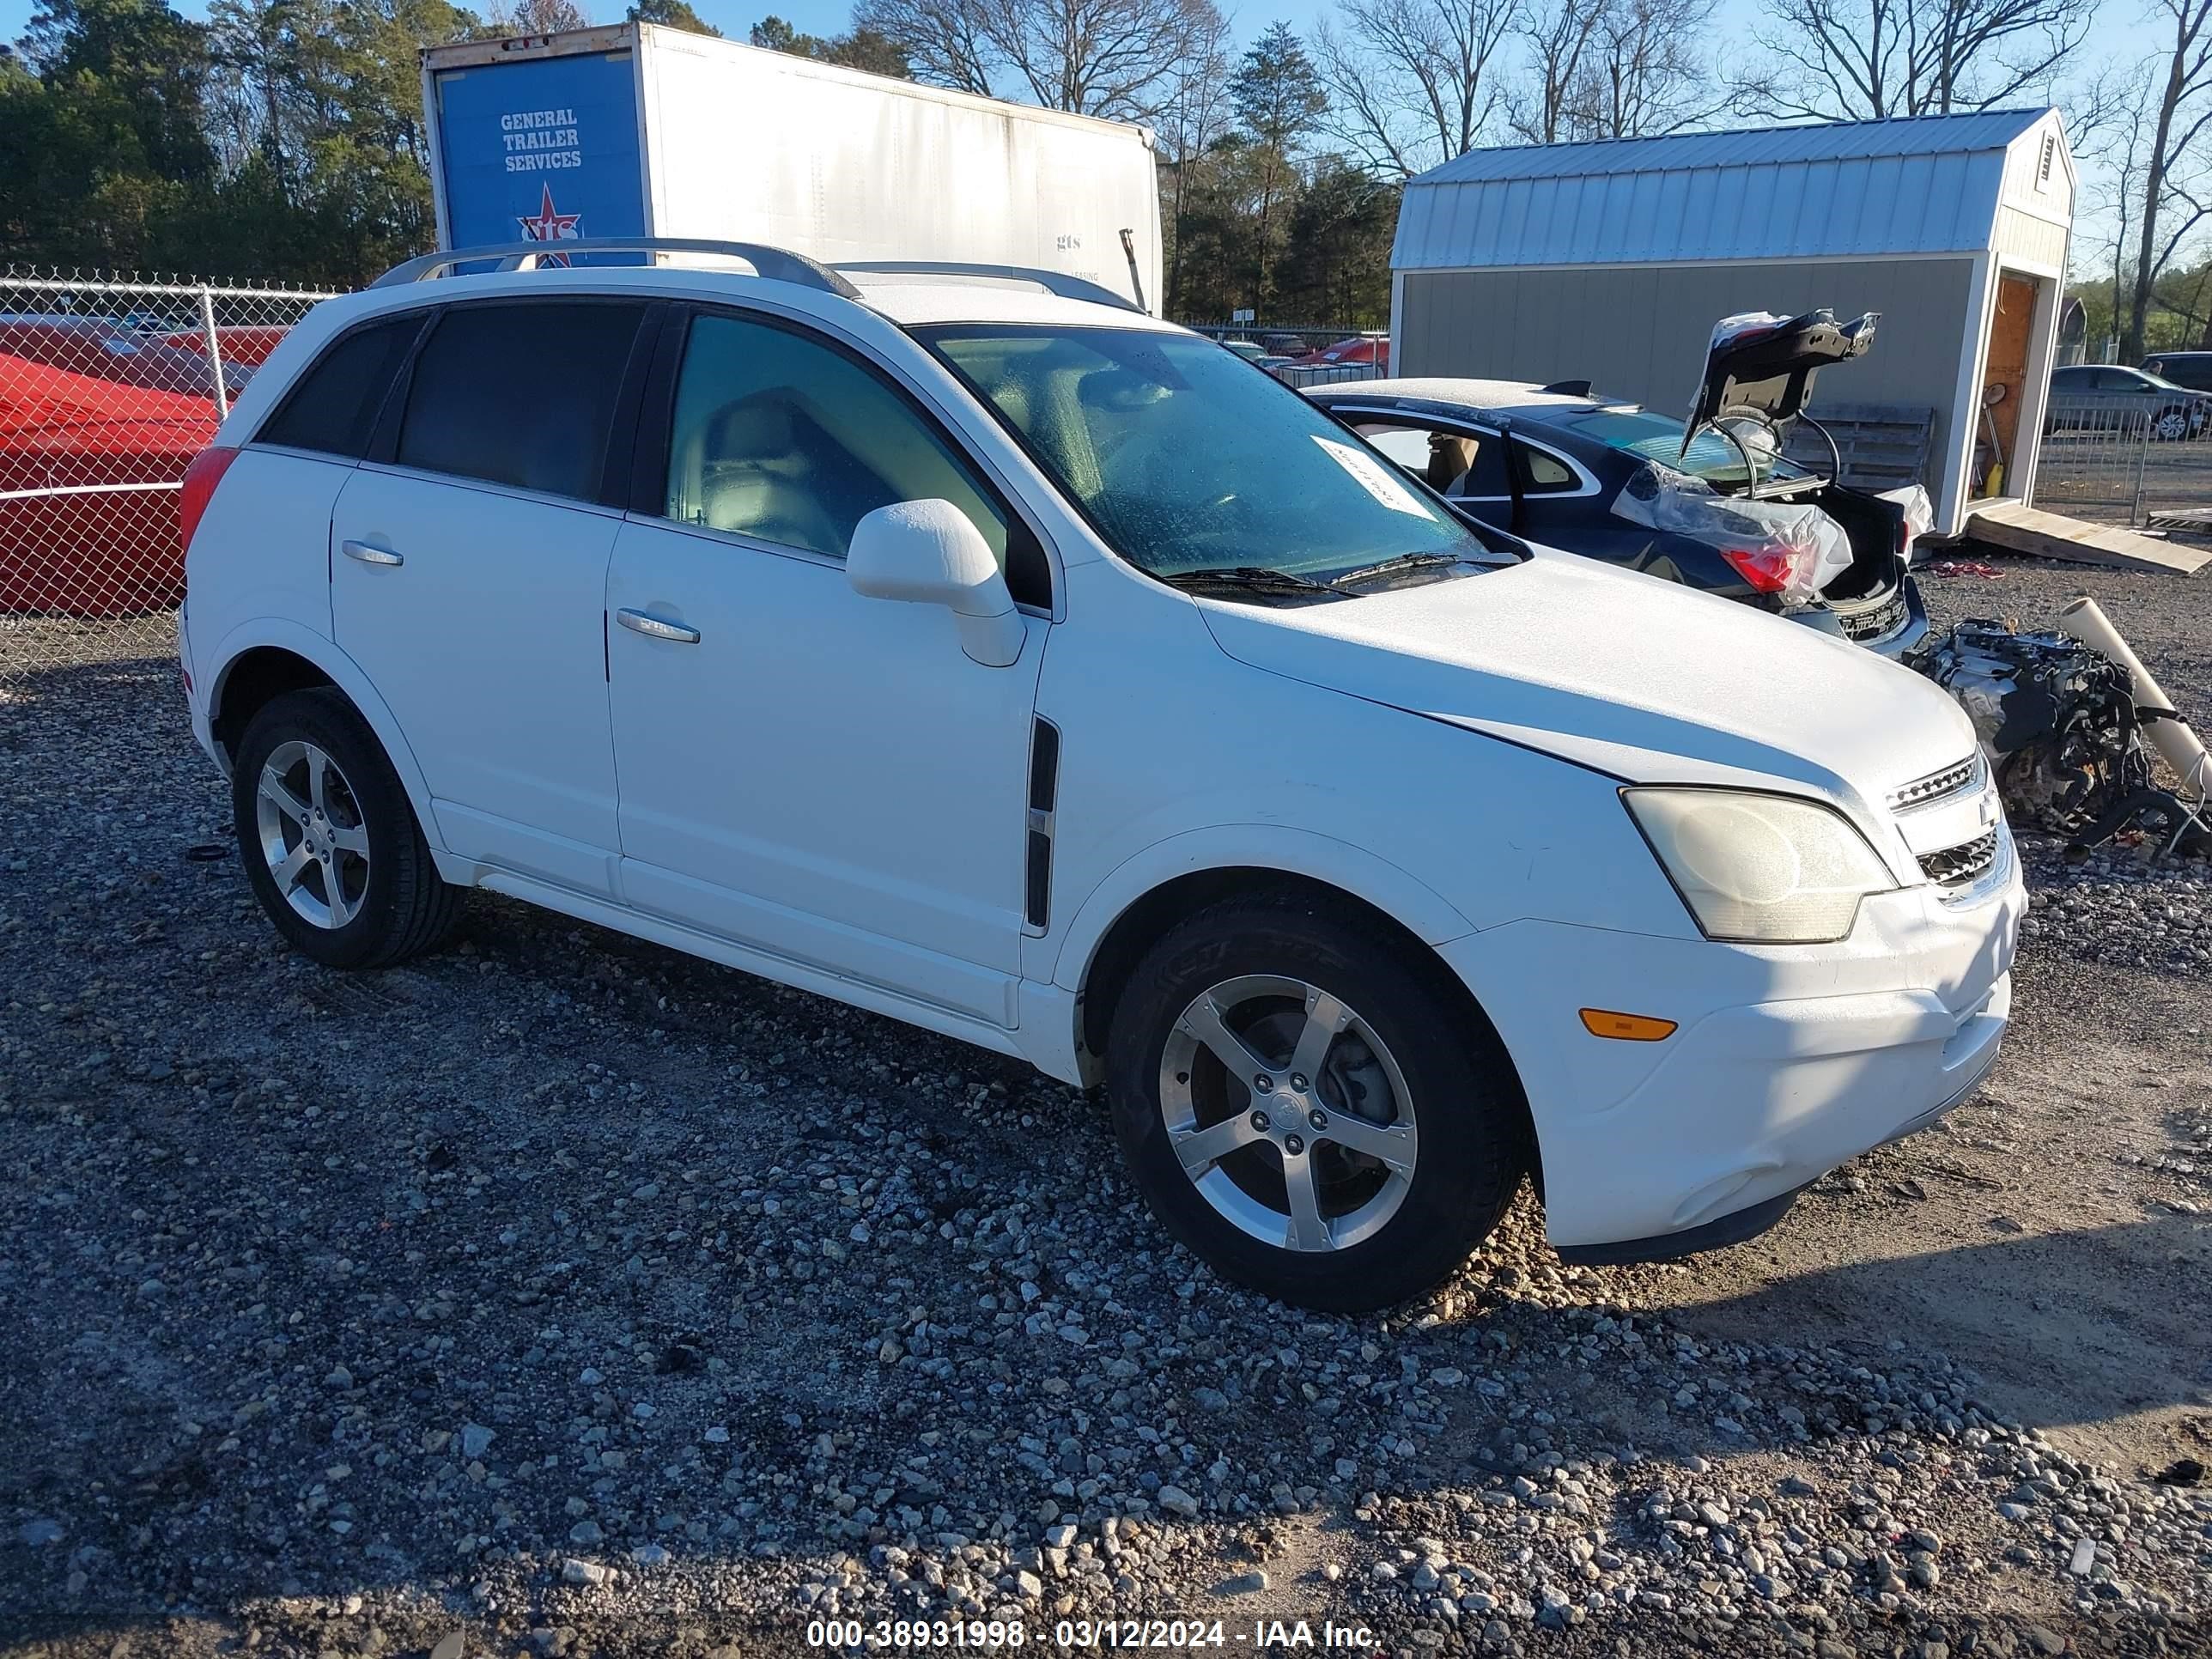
560, 1295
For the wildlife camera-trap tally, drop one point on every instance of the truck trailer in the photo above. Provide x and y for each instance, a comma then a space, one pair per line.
636, 130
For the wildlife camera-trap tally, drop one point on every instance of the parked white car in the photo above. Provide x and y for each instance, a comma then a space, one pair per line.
1035, 671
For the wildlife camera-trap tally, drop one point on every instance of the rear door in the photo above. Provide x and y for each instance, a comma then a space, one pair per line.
469, 575
293, 471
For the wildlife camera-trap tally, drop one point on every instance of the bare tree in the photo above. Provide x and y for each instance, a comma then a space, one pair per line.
1412, 82
1197, 111
1854, 59
1111, 57
1643, 76
944, 41
2171, 199
1559, 34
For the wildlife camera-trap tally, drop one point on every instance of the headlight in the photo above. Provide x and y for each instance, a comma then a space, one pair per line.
1760, 869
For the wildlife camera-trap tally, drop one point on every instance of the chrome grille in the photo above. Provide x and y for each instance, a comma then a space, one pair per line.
1960, 866
1938, 786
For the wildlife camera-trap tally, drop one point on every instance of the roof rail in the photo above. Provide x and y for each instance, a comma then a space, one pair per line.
1051, 282
774, 263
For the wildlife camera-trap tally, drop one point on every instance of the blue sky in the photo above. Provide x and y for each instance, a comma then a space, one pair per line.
2124, 31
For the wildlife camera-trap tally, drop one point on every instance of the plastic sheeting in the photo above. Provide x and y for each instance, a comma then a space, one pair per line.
1816, 548
1919, 515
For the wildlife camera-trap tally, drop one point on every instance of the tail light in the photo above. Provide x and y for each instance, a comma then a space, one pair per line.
198, 488
1776, 569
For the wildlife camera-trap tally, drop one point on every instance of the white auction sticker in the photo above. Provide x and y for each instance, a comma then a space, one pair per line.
1374, 478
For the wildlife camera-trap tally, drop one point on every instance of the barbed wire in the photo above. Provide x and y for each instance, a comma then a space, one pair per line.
97, 280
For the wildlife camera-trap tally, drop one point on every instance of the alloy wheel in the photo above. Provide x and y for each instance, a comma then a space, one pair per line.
312, 837
1288, 1113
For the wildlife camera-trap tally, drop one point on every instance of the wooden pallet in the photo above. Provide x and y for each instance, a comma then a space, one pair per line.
1882, 446
2019, 528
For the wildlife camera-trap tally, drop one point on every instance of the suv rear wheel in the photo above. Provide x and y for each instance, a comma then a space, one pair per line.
1308, 1111
329, 839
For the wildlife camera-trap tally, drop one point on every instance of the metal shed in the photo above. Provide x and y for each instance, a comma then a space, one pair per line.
1612, 261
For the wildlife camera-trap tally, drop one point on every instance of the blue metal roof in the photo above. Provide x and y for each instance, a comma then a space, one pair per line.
1919, 185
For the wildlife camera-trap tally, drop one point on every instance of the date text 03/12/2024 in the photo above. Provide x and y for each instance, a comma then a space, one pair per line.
1086, 1635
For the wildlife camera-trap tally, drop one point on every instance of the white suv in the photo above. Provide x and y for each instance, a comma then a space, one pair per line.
1369, 864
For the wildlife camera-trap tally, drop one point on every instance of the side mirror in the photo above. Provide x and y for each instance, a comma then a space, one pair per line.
928, 553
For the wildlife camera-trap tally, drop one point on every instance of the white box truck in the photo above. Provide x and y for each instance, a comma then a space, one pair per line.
634, 130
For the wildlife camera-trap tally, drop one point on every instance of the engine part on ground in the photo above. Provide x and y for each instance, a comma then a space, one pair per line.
2168, 732
2058, 721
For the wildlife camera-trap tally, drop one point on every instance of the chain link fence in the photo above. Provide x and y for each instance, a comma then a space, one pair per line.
108, 388
1307, 354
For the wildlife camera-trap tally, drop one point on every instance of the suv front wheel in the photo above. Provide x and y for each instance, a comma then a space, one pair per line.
329, 839
1308, 1110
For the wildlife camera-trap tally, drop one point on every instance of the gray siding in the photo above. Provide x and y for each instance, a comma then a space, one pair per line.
1641, 332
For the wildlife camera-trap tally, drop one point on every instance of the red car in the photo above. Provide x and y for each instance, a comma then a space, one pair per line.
88, 471
244, 344
94, 346
1361, 351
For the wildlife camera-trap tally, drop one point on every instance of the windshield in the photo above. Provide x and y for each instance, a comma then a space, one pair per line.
1712, 456
1185, 459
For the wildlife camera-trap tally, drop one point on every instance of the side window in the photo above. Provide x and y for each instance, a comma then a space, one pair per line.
1543, 473
1459, 463
333, 408
784, 438
1407, 446
520, 394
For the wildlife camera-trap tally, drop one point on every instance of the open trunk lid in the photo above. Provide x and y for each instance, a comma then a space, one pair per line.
1761, 367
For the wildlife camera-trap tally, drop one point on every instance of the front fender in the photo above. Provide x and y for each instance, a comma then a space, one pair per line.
344, 673
1391, 890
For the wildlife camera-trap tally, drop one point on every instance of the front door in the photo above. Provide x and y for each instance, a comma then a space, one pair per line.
468, 571
821, 776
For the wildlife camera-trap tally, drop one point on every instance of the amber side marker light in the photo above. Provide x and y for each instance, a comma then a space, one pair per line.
1629, 1028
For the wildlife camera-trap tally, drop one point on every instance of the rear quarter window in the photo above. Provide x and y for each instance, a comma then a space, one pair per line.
332, 409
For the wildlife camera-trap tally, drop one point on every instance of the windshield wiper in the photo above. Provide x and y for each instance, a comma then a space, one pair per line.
1398, 566
1250, 578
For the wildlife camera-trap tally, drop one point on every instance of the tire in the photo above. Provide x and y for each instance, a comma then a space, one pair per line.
2174, 426
335, 795
1282, 971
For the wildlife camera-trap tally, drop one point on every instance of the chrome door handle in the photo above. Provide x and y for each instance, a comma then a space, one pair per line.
652, 627
369, 553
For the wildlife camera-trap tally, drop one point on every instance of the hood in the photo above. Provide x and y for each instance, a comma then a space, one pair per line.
1761, 365
1646, 680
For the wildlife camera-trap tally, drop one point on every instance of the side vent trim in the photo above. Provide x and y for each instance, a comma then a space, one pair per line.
1044, 794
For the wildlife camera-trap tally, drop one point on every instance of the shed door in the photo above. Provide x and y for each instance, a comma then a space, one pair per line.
2006, 366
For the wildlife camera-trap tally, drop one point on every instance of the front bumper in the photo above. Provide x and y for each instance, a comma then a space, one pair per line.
1786, 1062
